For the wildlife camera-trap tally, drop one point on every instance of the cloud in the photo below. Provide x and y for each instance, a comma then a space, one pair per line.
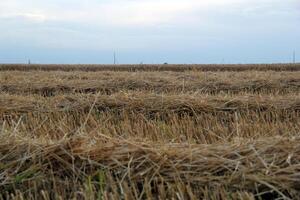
132, 13
110, 13
145, 14
33, 17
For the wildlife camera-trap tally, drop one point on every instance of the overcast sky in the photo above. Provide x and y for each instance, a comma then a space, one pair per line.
149, 31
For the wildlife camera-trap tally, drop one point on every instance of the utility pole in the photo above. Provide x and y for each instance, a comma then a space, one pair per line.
29, 62
115, 60
294, 57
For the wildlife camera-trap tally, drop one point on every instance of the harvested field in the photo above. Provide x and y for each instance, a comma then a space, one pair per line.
86, 132
157, 67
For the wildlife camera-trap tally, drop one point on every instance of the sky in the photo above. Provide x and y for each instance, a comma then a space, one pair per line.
149, 31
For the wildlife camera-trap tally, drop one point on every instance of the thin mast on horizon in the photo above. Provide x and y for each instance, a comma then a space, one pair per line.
114, 57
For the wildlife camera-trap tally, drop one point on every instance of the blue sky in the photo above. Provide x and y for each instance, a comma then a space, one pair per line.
149, 31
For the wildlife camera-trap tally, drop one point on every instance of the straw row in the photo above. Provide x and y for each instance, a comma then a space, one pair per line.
53, 84
150, 103
262, 167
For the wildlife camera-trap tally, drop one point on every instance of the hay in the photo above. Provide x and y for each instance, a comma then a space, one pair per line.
54, 83
262, 167
146, 103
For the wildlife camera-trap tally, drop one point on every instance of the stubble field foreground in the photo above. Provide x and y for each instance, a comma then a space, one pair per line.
163, 132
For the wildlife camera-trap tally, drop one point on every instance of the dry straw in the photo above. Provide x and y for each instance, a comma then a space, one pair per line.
167, 134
